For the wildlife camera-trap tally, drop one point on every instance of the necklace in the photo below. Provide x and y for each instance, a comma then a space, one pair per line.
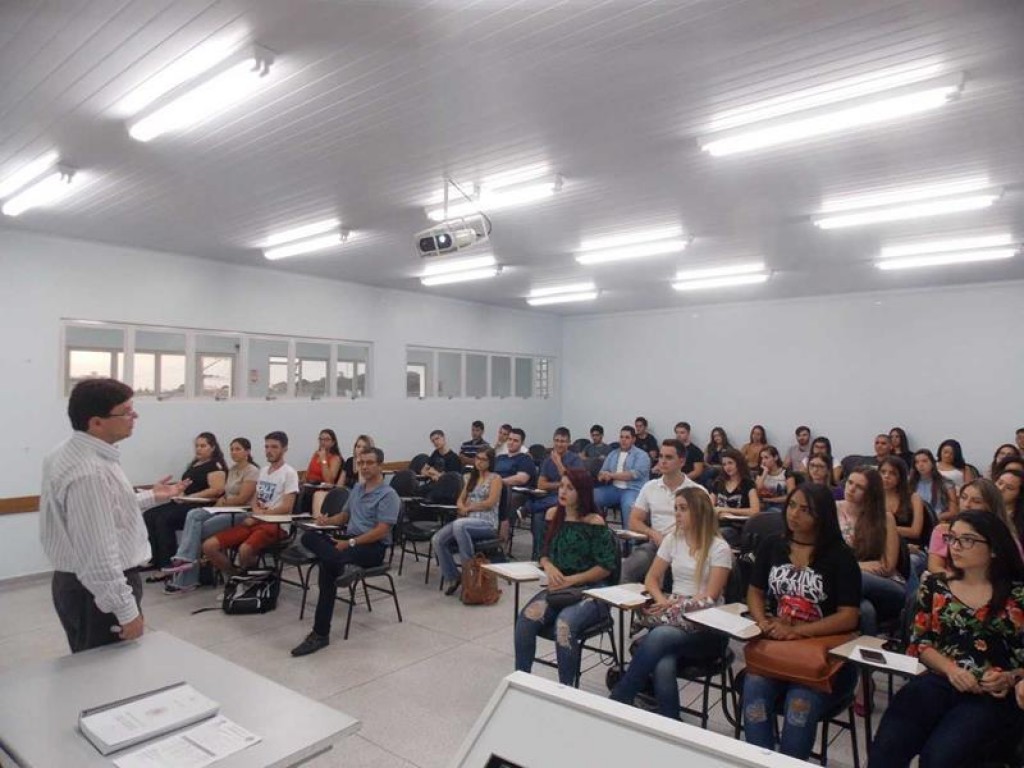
803, 543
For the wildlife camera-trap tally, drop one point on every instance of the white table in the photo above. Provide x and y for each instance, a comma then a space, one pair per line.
39, 704
516, 573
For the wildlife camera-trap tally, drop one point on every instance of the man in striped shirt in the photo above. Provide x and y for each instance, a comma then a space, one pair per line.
91, 523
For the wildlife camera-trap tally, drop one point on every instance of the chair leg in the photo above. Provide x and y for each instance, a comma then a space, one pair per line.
394, 596
401, 559
366, 594
853, 738
706, 698
351, 607
430, 557
304, 581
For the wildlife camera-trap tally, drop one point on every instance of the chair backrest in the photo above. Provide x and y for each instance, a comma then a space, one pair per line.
593, 465
405, 483
538, 453
334, 501
419, 461
854, 460
735, 587
446, 490
760, 527
579, 445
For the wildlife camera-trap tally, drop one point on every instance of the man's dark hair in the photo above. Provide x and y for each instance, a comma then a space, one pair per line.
597, 428
518, 431
478, 424
641, 419
802, 428
1019, 431
436, 433
684, 424
95, 397
506, 427
278, 435
376, 452
629, 428
676, 445
563, 432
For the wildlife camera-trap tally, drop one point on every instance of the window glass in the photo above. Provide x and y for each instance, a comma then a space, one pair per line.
419, 373
268, 368
501, 376
161, 359
476, 375
449, 374
524, 377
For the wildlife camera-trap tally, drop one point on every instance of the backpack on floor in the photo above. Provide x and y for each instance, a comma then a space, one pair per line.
479, 586
251, 592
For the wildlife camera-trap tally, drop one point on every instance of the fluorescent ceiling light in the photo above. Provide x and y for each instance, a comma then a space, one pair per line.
448, 266
631, 238
211, 97
28, 173
902, 195
540, 301
487, 201
309, 245
944, 246
200, 59
299, 233
945, 259
638, 251
566, 288
720, 282
517, 176
461, 277
724, 271
824, 121
914, 211
46, 191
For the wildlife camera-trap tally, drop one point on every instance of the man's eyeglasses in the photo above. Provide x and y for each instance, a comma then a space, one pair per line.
129, 414
962, 542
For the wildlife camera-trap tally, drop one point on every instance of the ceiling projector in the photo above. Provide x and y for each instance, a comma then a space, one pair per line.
452, 235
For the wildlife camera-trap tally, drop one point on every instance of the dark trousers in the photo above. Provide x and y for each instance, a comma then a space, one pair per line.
86, 625
162, 523
948, 729
332, 564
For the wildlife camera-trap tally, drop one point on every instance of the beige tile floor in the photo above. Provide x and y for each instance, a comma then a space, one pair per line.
417, 687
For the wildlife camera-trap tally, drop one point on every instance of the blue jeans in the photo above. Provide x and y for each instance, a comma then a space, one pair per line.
803, 709
948, 729
462, 532
199, 526
569, 623
882, 599
658, 657
610, 496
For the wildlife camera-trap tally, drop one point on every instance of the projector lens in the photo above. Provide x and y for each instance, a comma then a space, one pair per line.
444, 241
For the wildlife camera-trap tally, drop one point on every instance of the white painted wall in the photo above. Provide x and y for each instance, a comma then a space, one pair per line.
940, 363
45, 279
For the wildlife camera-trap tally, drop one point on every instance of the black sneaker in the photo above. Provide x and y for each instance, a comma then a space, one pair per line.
311, 644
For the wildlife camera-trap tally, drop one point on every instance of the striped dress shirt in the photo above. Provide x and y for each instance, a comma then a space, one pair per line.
91, 523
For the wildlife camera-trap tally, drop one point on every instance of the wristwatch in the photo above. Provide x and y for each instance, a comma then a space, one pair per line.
352, 543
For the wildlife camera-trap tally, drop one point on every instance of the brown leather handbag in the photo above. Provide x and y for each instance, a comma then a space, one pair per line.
479, 586
805, 661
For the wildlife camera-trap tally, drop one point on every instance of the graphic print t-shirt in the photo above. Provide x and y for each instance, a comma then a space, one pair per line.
806, 594
739, 498
271, 486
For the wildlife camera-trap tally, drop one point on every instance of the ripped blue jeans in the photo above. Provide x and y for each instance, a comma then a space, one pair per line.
802, 709
569, 623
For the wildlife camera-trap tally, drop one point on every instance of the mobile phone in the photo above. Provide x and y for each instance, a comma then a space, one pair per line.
875, 657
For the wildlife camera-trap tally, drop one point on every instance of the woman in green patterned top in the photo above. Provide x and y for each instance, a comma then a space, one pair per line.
579, 551
969, 633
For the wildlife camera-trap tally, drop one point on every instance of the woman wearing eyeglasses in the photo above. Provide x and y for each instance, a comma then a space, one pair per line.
969, 632
979, 496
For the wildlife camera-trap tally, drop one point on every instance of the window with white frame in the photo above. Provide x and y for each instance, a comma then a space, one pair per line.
463, 373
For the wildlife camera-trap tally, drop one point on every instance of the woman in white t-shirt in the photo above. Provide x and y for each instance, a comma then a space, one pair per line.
700, 561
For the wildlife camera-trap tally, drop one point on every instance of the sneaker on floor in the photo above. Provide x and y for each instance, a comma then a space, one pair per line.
311, 644
174, 589
178, 566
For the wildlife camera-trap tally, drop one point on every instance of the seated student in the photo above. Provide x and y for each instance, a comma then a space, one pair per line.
969, 633
324, 469
818, 469
797, 454
549, 479
803, 584
645, 441
717, 443
349, 476
1005, 451
734, 493
369, 514
883, 449
579, 551
771, 481
752, 448
931, 487
597, 448
276, 489
624, 472
951, 463
693, 466
204, 476
822, 446
905, 506
976, 496
1019, 439
477, 518
515, 468
201, 523
700, 560
501, 444
870, 532
654, 512
900, 445
1009, 483
442, 459
476, 441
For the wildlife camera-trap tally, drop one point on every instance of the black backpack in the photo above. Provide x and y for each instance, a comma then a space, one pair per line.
251, 592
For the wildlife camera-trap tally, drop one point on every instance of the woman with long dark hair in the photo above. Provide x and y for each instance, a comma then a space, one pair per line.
579, 551
933, 489
901, 445
969, 632
752, 448
951, 463
979, 495
1009, 483
1003, 452
476, 518
905, 506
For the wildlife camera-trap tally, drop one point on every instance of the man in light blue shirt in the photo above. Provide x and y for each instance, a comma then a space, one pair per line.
624, 472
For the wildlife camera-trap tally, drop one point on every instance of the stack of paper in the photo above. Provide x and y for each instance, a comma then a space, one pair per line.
195, 748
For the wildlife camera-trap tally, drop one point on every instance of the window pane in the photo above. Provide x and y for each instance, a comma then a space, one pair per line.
172, 375
419, 375
215, 365
164, 354
86, 364
524, 377
268, 367
542, 377
351, 372
93, 353
501, 376
449, 374
311, 369
145, 373
476, 375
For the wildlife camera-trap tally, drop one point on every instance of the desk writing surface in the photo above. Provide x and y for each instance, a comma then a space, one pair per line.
39, 703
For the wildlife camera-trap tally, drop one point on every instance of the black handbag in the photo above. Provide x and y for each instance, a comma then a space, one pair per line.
563, 598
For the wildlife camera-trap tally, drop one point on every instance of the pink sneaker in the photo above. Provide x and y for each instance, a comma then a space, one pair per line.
178, 566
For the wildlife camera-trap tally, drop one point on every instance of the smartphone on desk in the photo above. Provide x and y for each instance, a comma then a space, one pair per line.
870, 654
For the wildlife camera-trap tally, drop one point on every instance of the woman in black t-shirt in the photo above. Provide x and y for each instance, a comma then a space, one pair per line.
734, 493
205, 477
804, 584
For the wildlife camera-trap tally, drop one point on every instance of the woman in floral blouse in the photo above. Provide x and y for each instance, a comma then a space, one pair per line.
969, 633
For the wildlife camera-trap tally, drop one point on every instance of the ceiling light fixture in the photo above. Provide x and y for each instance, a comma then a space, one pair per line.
299, 233
541, 301
45, 191
461, 277
945, 246
236, 78
448, 266
564, 288
307, 245
745, 268
721, 282
842, 112
904, 195
28, 173
912, 211
946, 259
632, 245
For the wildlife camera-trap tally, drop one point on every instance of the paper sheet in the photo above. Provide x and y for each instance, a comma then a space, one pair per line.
727, 622
148, 716
518, 571
627, 598
195, 748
